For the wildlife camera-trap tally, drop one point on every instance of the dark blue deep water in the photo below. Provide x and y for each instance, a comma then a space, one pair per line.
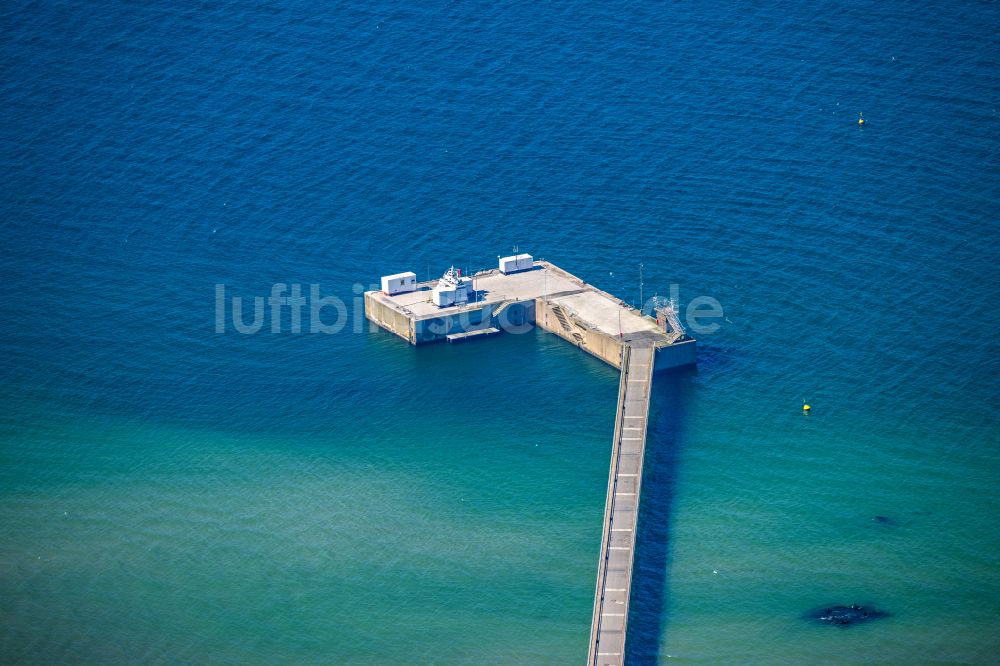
170, 494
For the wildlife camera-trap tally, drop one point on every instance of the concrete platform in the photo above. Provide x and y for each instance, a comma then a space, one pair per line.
491, 287
546, 296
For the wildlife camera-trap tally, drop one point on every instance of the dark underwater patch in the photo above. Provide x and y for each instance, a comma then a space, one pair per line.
844, 616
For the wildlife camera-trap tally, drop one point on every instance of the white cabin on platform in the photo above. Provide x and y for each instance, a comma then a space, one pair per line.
400, 283
515, 263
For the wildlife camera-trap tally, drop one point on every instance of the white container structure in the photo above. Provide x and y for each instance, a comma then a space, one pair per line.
400, 283
515, 263
452, 289
508, 265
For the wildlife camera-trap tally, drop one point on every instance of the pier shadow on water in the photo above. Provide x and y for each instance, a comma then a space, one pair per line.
650, 577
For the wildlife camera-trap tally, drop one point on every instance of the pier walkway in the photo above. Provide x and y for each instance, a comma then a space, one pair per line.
593, 321
621, 510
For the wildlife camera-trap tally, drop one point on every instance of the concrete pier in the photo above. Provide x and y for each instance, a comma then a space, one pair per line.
621, 510
596, 322
545, 296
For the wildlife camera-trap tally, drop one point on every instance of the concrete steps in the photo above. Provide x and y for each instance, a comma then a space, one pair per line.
500, 310
564, 322
561, 316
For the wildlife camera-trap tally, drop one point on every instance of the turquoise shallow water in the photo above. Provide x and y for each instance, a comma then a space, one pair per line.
393, 534
170, 494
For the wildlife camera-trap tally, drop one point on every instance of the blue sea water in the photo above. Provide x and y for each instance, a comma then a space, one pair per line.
172, 494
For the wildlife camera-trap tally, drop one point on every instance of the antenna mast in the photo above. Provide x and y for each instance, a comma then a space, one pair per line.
641, 303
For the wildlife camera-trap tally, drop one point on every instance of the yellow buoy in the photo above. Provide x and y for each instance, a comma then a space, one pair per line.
861, 120
806, 408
